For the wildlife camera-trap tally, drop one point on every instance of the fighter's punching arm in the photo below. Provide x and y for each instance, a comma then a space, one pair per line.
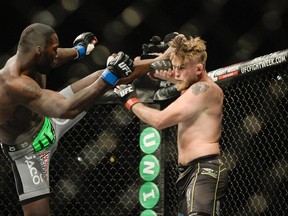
25, 91
82, 46
145, 66
154, 117
173, 114
141, 68
121, 67
151, 116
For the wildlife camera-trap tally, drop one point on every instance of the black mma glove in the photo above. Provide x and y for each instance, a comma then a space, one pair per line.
127, 95
83, 44
166, 93
121, 66
160, 65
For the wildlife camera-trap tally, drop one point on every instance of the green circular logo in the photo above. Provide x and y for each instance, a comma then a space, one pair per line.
149, 195
149, 140
148, 212
149, 167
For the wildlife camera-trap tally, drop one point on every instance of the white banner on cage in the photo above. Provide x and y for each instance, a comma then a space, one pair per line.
253, 65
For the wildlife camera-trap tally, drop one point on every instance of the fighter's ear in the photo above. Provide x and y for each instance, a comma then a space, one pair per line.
199, 68
39, 50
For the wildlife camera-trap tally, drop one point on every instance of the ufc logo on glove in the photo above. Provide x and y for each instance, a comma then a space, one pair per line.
124, 67
125, 91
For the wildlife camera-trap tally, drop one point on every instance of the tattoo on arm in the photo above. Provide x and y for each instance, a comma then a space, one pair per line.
197, 88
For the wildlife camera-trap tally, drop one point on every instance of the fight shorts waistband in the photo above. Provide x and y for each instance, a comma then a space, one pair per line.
44, 139
182, 168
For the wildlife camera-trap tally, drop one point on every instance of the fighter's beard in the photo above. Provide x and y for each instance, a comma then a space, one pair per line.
183, 85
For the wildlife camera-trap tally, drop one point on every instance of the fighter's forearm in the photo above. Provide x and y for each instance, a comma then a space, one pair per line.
141, 68
64, 55
85, 98
86, 81
148, 115
96, 86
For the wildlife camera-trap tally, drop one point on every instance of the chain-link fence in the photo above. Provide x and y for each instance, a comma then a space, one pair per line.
96, 168
255, 143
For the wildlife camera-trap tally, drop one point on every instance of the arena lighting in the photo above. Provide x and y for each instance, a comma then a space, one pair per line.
190, 28
79, 158
277, 88
44, 16
70, 5
272, 20
128, 20
115, 30
66, 189
132, 16
100, 55
248, 41
126, 199
122, 118
259, 202
251, 124
55, 13
231, 159
215, 5
96, 150
279, 170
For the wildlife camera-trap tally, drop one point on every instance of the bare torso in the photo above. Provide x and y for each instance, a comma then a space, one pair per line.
17, 123
198, 116
199, 136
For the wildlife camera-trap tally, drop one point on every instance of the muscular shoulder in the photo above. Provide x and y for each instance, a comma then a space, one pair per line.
20, 89
199, 87
207, 92
205, 87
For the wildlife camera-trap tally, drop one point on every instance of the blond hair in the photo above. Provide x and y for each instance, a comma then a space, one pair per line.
189, 49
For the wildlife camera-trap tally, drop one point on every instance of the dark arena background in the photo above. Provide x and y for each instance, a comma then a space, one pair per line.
99, 168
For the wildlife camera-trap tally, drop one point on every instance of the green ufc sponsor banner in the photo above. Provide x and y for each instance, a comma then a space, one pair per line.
149, 140
149, 168
148, 212
149, 195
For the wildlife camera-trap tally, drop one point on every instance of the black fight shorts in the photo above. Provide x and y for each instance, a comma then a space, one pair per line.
201, 185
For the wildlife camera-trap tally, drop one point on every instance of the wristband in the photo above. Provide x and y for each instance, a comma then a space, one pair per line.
109, 77
131, 102
80, 50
